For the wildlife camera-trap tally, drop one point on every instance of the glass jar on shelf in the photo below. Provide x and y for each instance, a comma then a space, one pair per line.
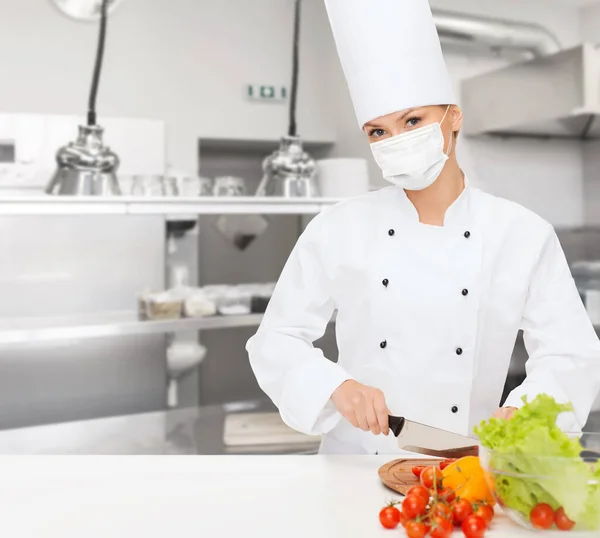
229, 186
148, 185
194, 186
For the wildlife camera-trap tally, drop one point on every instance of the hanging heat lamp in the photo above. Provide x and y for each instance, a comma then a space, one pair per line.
84, 10
86, 166
290, 171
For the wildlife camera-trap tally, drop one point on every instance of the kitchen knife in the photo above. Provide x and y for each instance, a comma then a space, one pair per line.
431, 441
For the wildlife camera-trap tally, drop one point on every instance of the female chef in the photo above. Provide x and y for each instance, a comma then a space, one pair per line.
431, 278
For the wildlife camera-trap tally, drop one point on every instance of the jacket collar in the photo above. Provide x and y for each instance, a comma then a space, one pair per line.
459, 212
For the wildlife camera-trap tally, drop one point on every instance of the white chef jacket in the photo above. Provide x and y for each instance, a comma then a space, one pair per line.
428, 314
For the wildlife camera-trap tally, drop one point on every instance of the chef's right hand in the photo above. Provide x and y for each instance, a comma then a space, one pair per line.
364, 407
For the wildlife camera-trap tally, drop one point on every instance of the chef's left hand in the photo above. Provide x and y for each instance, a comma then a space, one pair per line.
505, 412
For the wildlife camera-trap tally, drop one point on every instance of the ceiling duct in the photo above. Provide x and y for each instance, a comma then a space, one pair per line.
495, 33
555, 93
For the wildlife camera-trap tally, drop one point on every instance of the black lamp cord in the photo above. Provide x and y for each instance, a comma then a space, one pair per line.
91, 116
293, 128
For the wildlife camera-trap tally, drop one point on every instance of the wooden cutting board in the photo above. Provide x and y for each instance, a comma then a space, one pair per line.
397, 475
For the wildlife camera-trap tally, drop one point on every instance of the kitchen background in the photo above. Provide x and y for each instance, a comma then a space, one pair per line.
174, 100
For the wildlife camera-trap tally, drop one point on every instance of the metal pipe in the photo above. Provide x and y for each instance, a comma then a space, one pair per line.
495, 33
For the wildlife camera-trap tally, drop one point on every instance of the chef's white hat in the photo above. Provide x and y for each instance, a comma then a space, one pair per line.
391, 55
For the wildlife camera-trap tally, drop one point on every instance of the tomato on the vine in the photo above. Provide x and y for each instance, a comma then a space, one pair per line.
562, 520
417, 470
414, 506
415, 529
390, 517
443, 510
445, 463
473, 527
484, 511
431, 475
542, 516
461, 510
419, 491
447, 495
441, 528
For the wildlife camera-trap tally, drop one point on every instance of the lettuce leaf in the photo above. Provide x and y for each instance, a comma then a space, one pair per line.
535, 461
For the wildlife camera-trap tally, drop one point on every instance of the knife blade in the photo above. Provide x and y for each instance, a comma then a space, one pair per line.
422, 439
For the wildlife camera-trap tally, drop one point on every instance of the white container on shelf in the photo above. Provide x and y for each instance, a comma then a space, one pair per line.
342, 178
198, 304
234, 303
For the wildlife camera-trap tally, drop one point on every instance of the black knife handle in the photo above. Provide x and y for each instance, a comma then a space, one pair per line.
592, 455
396, 425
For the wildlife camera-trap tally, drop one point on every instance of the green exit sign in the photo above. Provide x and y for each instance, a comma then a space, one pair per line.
263, 92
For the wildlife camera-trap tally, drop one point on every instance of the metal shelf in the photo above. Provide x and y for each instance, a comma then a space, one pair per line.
171, 206
23, 331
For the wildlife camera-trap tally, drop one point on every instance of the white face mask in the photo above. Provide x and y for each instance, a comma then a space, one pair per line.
413, 160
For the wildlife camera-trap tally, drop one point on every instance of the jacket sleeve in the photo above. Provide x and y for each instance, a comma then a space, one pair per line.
288, 368
563, 348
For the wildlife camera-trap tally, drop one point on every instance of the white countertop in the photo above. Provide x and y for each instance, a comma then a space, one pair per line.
200, 497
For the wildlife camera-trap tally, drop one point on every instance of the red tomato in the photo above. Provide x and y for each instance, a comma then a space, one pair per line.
447, 495
484, 511
390, 517
443, 510
441, 528
461, 511
403, 520
418, 470
419, 491
473, 527
542, 516
431, 475
445, 463
414, 529
562, 521
414, 506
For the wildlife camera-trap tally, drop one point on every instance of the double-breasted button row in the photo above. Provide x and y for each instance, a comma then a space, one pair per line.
385, 282
464, 292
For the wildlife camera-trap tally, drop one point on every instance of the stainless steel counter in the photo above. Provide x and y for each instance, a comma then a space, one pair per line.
196, 430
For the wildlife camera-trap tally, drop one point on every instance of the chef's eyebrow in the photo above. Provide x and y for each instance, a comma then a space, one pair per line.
372, 125
375, 125
407, 113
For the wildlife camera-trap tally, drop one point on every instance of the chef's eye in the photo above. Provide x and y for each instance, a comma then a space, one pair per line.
413, 122
375, 133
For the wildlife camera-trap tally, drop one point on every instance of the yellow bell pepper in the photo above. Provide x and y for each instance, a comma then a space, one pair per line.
467, 478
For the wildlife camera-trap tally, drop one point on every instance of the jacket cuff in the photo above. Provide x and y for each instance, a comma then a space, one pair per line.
306, 405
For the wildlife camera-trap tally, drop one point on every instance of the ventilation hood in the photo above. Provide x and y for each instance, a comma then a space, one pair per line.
555, 95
